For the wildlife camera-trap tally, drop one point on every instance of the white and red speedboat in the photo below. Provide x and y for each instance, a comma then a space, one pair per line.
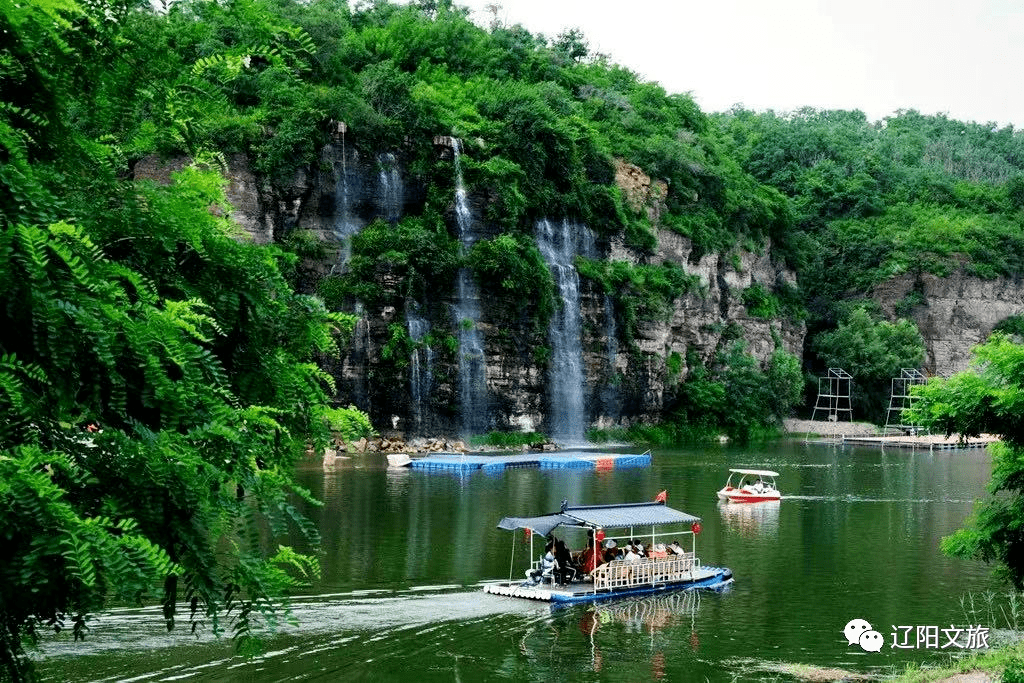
750, 486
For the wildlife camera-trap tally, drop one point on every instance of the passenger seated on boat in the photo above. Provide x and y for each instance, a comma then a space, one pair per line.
638, 548
658, 552
757, 486
676, 548
611, 551
591, 558
544, 570
631, 554
566, 569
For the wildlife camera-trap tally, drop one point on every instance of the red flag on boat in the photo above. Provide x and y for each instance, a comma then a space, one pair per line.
661, 497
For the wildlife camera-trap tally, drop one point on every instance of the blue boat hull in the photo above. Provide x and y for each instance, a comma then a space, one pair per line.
719, 581
712, 578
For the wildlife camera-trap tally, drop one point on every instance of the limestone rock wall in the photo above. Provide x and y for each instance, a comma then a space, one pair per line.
697, 323
625, 382
954, 314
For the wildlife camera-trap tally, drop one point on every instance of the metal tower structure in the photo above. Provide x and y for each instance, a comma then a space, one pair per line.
834, 396
901, 399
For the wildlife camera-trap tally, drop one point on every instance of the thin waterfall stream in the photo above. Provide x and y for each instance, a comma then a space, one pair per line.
421, 365
559, 243
345, 226
472, 363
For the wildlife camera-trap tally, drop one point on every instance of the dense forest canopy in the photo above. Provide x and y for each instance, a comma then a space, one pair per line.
139, 308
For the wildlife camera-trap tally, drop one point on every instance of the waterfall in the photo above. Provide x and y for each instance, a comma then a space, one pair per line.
345, 226
559, 246
360, 357
421, 366
389, 203
472, 364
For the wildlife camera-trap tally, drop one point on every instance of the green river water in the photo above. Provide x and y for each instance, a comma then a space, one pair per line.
404, 552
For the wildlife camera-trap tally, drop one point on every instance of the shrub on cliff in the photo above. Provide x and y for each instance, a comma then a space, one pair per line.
511, 268
418, 254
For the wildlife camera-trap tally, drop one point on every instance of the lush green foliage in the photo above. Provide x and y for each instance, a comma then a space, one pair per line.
911, 194
732, 394
1012, 326
641, 292
987, 399
873, 352
785, 301
417, 252
137, 309
543, 120
760, 302
349, 424
510, 268
198, 437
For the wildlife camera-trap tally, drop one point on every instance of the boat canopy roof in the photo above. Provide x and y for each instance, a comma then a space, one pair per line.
601, 516
759, 473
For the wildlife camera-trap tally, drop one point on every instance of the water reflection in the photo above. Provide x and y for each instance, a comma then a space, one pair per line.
751, 519
397, 481
647, 615
650, 613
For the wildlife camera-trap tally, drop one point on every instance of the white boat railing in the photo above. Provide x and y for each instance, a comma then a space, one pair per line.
646, 571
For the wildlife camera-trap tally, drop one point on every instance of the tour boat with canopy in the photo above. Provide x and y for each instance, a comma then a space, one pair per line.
667, 564
752, 486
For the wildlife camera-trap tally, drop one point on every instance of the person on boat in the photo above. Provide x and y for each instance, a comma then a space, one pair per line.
545, 568
758, 486
611, 551
676, 548
658, 552
566, 568
591, 557
631, 554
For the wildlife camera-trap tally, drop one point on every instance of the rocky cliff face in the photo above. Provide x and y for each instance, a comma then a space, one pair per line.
954, 314
700, 322
252, 203
625, 381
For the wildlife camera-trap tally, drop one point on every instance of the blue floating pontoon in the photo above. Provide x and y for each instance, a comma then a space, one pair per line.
582, 460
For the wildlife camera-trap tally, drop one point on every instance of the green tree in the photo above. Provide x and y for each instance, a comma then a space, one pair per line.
735, 395
987, 399
204, 404
138, 310
873, 352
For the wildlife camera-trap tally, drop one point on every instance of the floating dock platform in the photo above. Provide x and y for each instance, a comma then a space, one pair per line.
923, 442
552, 460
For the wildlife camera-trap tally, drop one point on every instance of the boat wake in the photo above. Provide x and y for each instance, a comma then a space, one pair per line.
138, 629
864, 499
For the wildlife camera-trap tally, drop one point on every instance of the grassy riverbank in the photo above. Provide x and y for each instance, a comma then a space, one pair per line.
1004, 664
1000, 664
